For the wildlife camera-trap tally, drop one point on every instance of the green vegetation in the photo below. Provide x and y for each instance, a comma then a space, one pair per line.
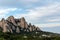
28, 36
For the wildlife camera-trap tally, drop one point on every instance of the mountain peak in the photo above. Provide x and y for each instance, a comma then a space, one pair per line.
3, 19
22, 18
17, 25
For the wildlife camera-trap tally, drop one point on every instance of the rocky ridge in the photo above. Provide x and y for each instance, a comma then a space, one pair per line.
17, 25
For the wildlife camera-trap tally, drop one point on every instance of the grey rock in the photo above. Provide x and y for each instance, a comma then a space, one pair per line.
17, 25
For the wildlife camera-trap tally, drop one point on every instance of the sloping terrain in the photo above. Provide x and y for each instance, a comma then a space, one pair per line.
18, 29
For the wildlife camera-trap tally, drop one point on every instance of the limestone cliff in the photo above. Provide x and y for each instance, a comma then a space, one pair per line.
17, 25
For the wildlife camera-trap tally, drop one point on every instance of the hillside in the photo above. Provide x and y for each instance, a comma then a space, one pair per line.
18, 29
14, 25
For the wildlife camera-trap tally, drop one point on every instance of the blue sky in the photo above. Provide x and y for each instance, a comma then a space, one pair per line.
43, 13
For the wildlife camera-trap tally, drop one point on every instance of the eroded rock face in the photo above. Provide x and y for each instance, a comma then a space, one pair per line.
37, 28
4, 25
11, 19
17, 30
17, 25
23, 23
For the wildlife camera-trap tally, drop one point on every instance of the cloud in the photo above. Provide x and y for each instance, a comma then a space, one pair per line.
48, 25
36, 14
17, 3
25, 3
51, 29
43, 11
54, 20
4, 11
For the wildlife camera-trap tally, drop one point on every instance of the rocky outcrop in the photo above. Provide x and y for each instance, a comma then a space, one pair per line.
23, 23
11, 19
17, 25
3, 25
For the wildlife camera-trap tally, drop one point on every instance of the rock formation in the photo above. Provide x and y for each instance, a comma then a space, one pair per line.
16, 25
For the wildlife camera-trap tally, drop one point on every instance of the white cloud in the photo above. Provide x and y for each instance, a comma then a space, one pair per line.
3, 11
48, 25
17, 3
54, 20
42, 11
35, 14
45, 10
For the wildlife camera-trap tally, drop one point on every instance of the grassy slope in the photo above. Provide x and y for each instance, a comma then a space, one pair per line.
29, 36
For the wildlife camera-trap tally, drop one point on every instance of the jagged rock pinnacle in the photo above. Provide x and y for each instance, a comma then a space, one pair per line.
16, 25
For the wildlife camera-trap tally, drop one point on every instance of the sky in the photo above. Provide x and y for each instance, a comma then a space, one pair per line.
45, 14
